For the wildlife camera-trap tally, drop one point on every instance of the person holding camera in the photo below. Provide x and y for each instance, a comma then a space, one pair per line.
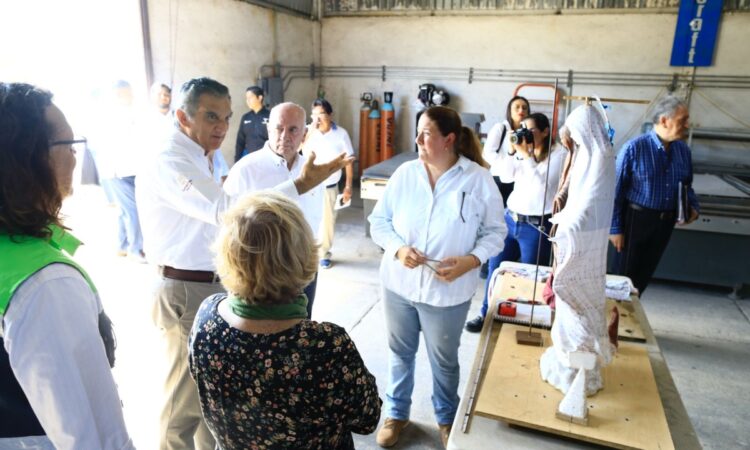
530, 204
497, 148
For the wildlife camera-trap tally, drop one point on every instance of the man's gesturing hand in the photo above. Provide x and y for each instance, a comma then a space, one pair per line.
314, 174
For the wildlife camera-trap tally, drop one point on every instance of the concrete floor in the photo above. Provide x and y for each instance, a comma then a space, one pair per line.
704, 335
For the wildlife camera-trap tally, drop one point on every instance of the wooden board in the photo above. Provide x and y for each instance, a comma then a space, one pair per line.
627, 413
511, 285
629, 328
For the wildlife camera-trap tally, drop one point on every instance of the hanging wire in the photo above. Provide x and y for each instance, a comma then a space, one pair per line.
643, 116
541, 224
720, 108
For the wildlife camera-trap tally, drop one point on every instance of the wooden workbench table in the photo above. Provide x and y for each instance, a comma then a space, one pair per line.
485, 433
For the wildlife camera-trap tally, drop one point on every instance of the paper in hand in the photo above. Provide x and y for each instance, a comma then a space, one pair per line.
340, 204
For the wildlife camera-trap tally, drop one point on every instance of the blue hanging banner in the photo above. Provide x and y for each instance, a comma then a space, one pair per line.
695, 34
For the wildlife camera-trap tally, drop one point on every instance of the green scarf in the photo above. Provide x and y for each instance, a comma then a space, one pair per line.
295, 310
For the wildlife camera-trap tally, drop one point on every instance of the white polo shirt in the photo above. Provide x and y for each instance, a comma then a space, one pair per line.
265, 169
328, 146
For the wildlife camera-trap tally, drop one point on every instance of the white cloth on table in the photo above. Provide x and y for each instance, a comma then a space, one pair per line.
529, 273
619, 289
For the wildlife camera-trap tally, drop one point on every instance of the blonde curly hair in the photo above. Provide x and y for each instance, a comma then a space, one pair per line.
265, 252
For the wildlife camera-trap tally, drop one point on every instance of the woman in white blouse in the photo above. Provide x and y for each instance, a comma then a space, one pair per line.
436, 225
497, 149
530, 203
56, 345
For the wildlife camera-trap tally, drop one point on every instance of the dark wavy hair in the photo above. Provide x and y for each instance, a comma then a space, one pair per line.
542, 123
30, 200
448, 121
508, 116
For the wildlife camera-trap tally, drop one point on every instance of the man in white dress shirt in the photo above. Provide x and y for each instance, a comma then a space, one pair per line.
277, 162
182, 207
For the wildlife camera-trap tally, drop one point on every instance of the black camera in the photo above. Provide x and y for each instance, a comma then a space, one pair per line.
430, 95
522, 135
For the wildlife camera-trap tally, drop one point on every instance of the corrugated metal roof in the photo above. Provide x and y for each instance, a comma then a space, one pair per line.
335, 7
300, 7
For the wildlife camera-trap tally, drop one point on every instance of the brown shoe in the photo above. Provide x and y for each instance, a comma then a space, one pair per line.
445, 432
389, 433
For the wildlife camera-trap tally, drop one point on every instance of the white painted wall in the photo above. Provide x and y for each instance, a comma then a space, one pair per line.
229, 41
633, 43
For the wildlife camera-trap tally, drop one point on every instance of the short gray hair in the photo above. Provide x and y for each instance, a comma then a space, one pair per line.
191, 91
666, 106
276, 110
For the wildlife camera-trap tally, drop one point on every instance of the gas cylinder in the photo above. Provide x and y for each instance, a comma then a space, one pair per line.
373, 134
387, 127
364, 112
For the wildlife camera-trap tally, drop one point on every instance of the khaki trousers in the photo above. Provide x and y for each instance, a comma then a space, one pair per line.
175, 305
328, 222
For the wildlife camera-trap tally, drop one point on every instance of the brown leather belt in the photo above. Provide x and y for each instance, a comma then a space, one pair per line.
662, 215
196, 276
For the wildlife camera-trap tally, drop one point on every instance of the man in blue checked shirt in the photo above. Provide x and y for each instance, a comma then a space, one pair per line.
650, 169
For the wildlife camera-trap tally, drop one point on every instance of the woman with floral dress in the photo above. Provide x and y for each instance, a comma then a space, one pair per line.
267, 377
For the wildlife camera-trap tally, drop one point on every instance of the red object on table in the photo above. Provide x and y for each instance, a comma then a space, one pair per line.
548, 294
508, 309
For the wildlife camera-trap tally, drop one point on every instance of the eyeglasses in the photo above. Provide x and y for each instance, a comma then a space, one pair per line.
69, 142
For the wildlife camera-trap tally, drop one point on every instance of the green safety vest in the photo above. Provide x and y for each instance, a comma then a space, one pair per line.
23, 256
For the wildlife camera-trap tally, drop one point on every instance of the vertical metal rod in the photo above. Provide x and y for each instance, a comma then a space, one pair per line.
541, 225
477, 376
569, 102
148, 55
689, 94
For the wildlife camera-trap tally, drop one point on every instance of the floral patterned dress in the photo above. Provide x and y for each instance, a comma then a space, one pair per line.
304, 387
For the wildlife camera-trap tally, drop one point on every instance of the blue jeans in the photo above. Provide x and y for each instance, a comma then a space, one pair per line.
123, 190
520, 246
442, 328
109, 190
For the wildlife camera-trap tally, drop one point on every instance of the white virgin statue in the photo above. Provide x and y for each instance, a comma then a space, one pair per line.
580, 243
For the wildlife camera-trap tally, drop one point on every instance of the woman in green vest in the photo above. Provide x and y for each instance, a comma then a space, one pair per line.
56, 386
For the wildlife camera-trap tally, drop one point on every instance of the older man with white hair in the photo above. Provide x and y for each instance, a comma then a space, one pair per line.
278, 162
182, 207
650, 170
